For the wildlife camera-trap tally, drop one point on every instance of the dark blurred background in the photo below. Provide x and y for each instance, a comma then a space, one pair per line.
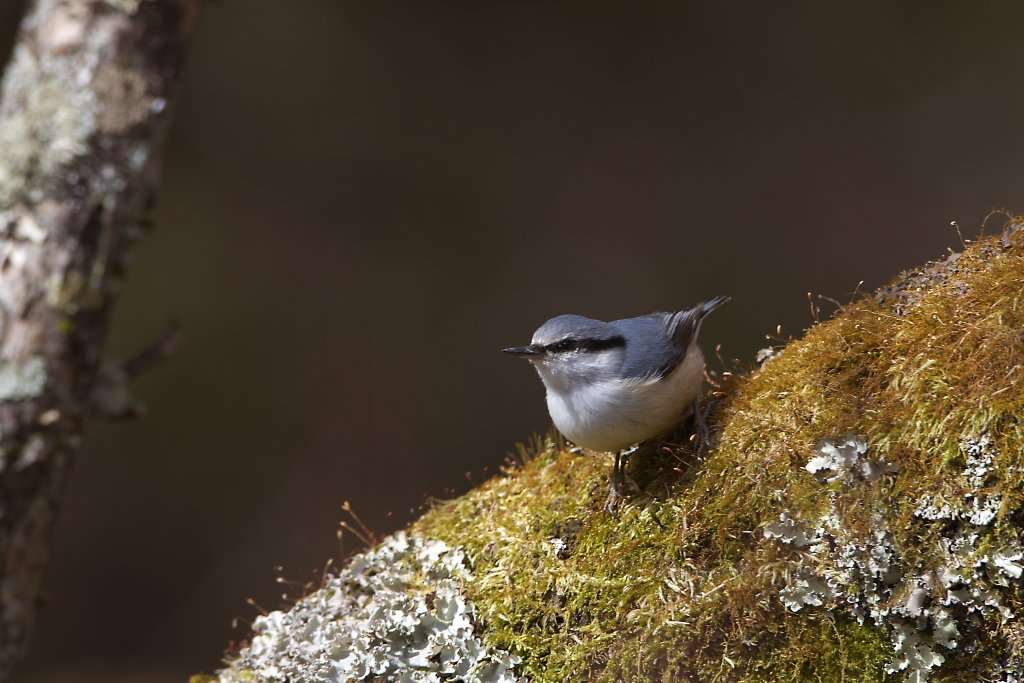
364, 201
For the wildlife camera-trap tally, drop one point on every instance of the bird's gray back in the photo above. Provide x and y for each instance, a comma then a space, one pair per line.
657, 343
650, 352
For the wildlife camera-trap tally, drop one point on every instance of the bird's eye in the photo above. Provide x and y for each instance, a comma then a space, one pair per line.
564, 345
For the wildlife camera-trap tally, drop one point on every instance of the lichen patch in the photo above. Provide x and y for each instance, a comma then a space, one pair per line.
395, 613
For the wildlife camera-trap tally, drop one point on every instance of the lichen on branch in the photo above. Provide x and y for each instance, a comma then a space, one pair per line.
83, 112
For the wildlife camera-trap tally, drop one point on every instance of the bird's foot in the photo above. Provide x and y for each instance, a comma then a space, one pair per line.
617, 482
616, 496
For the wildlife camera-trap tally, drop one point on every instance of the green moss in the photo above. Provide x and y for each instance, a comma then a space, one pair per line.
684, 583
826, 648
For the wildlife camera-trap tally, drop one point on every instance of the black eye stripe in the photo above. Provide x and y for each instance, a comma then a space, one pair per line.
570, 344
601, 344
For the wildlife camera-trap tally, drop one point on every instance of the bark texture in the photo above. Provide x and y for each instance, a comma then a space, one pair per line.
84, 109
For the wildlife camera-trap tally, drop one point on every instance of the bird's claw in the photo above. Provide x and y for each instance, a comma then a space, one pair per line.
617, 483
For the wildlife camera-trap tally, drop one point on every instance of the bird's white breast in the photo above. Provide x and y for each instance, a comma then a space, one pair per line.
600, 411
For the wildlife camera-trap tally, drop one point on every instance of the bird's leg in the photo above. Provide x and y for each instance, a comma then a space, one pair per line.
616, 486
617, 481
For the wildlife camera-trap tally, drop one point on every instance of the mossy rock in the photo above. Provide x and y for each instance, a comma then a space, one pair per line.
858, 517
686, 582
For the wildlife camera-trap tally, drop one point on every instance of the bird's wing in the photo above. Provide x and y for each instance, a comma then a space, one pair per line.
680, 328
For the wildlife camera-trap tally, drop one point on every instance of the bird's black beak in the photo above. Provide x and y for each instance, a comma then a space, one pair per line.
524, 351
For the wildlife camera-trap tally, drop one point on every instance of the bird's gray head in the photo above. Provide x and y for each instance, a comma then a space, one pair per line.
574, 349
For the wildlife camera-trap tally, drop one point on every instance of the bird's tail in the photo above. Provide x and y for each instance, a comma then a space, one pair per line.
712, 304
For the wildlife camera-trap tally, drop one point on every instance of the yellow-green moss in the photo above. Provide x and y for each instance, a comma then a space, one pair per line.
684, 583
829, 649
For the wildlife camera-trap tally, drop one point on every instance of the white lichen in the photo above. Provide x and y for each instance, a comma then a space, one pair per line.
983, 510
1008, 564
787, 530
975, 506
28, 228
395, 613
45, 125
22, 382
810, 590
126, 6
927, 613
766, 355
980, 459
914, 654
842, 459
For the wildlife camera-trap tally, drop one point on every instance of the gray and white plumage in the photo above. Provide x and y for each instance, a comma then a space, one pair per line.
613, 384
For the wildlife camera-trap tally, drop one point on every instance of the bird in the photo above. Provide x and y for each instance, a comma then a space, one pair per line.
611, 385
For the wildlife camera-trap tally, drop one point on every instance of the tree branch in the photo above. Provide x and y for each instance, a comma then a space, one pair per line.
83, 112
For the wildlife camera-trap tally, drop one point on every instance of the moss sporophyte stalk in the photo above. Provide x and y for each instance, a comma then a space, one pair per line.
858, 519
